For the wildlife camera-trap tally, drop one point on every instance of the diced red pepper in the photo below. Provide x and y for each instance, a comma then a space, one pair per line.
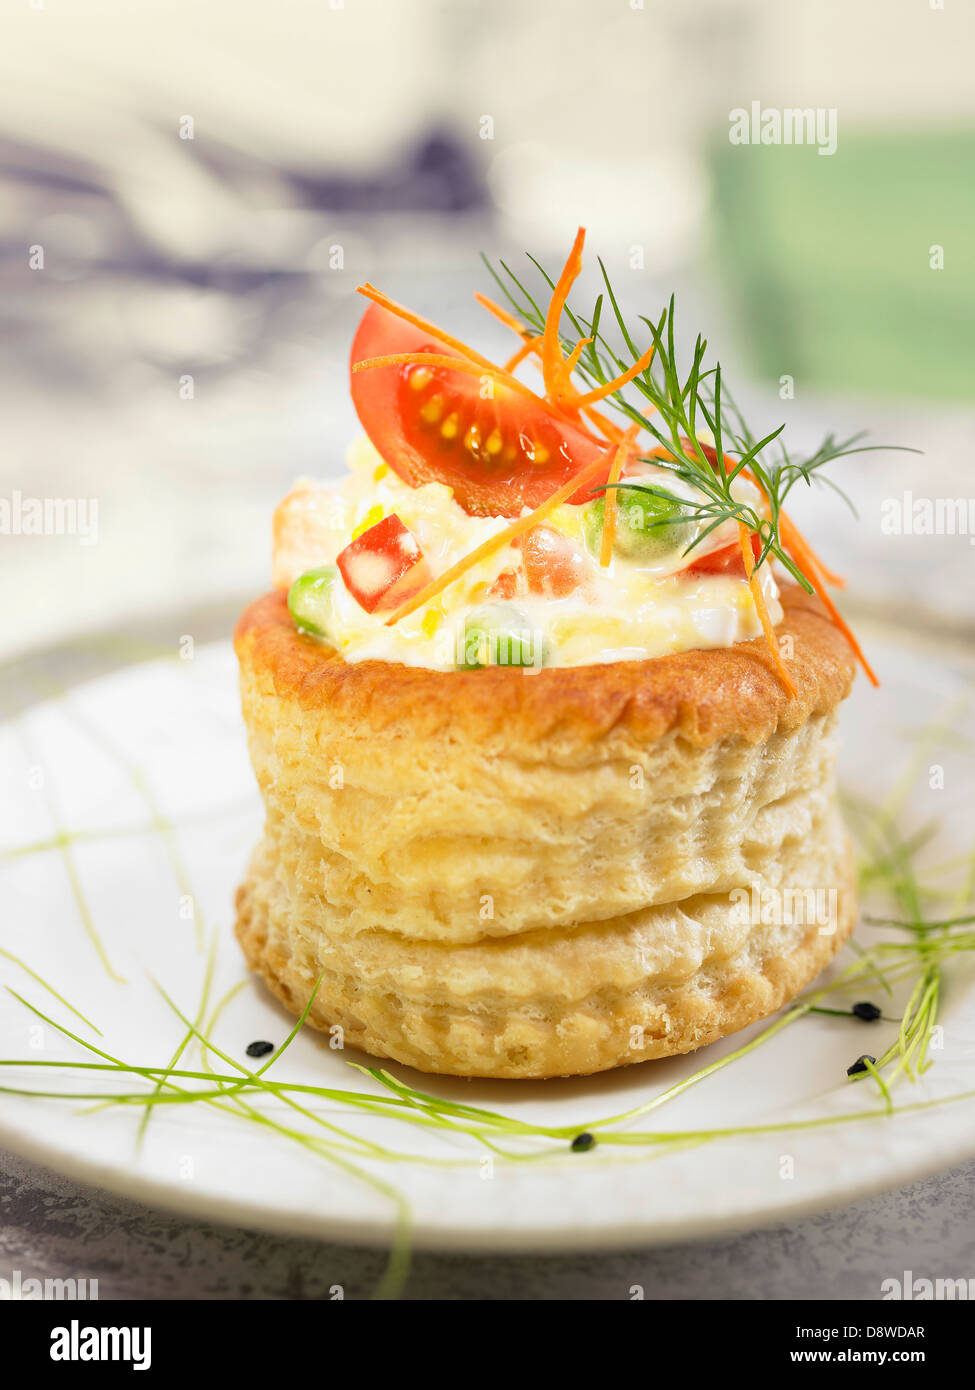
507, 584
384, 567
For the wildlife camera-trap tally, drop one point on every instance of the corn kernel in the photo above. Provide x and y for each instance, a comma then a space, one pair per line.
372, 517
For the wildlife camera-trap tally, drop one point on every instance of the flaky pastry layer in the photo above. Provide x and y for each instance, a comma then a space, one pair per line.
500, 874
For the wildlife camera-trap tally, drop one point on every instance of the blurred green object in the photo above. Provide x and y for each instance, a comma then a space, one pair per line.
828, 260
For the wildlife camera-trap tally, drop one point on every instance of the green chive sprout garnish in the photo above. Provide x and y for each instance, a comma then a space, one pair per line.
924, 924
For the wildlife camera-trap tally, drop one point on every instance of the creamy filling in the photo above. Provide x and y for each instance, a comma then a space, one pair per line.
631, 610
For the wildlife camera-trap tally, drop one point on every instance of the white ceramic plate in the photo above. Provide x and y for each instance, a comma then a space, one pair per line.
131, 795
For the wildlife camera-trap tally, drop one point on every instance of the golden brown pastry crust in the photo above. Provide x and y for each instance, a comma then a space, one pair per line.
542, 1037
706, 695
606, 814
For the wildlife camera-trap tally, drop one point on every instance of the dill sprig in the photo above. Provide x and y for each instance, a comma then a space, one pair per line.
676, 409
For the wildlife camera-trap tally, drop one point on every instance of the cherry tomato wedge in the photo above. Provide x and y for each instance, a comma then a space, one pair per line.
431, 425
384, 567
728, 560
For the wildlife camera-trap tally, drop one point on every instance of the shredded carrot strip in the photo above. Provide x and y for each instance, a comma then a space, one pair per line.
503, 538
611, 507
533, 345
563, 373
578, 401
606, 427
556, 373
818, 575
792, 535
745, 539
529, 346
591, 397
453, 364
551, 347
810, 568
424, 325
754, 585
462, 364
568, 418
789, 529
500, 313
467, 353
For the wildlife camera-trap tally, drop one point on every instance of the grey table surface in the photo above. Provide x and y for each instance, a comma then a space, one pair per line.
51, 1227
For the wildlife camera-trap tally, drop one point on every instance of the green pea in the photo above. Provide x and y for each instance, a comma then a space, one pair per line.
647, 527
310, 600
500, 635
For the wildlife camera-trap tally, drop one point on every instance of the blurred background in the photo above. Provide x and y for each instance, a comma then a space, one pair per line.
193, 191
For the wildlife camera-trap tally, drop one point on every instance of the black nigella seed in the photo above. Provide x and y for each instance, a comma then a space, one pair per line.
861, 1065
867, 1011
259, 1049
582, 1142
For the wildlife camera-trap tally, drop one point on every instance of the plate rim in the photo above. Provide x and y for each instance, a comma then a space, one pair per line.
424, 1235
632, 1233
